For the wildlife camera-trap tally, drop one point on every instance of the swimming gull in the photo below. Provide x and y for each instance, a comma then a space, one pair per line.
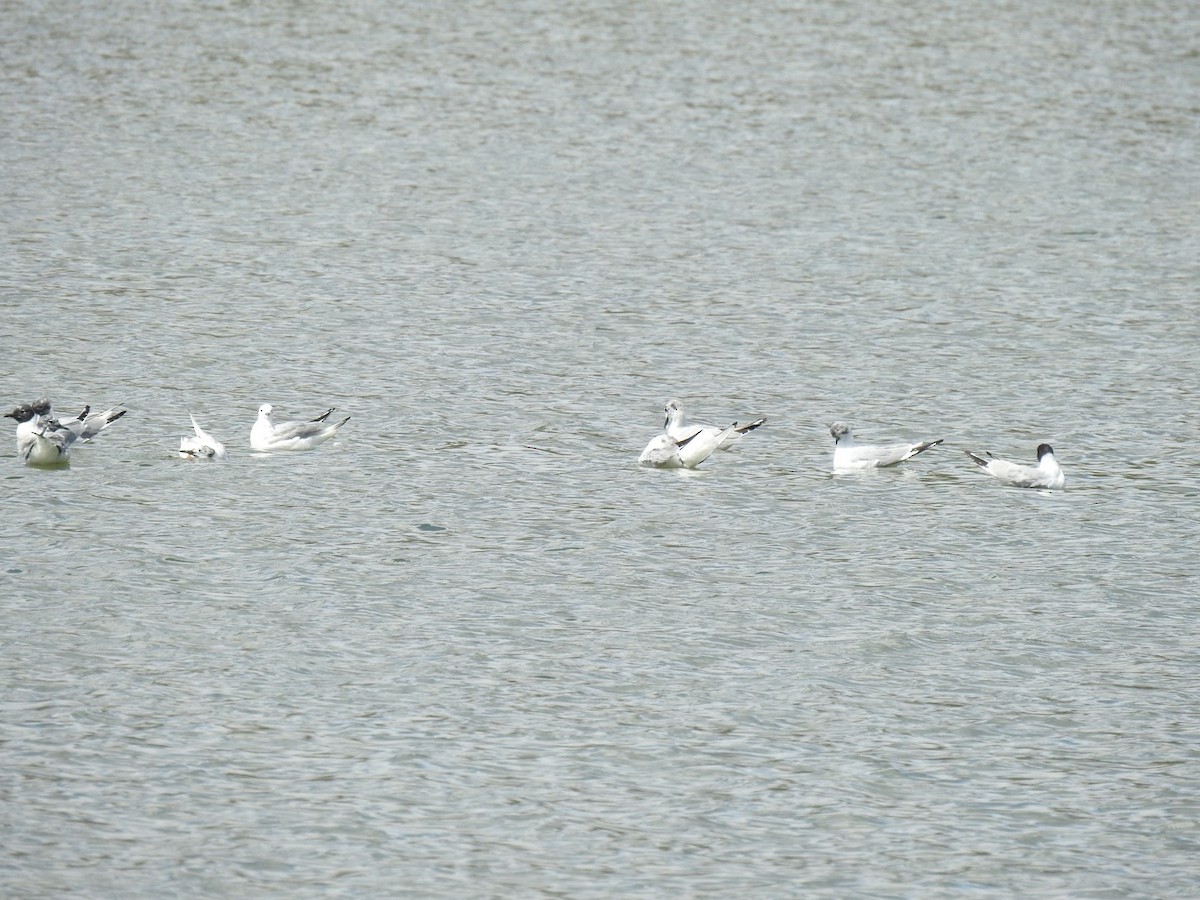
1046, 474
269, 435
665, 452
676, 427
86, 425
848, 455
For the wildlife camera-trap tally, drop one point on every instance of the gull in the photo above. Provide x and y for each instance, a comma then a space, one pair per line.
267, 435
849, 455
40, 443
86, 425
31, 421
202, 446
676, 428
665, 452
27, 422
1046, 474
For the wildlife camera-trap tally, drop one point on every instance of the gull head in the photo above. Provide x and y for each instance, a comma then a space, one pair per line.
674, 411
264, 411
41, 406
1045, 450
839, 430
22, 413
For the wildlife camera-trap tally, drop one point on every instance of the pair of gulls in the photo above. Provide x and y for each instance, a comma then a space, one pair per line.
847, 456
684, 447
265, 435
44, 440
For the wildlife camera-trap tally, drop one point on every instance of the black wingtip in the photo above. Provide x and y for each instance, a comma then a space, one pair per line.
115, 416
979, 461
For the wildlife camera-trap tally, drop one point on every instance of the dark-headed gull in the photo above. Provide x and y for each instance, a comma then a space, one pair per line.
86, 425
676, 427
27, 422
268, 435
1046, 474
849, 455
664, 452
202, 445
41, 442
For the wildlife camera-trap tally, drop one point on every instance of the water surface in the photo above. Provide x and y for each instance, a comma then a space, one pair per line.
470, 648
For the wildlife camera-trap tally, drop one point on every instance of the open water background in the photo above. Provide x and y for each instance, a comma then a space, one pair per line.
471, 649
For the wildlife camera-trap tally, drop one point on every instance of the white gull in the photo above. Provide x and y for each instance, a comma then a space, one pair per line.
202, 445
269, 435
1046, 474
665, 452
677, 428
41, 442
848, 455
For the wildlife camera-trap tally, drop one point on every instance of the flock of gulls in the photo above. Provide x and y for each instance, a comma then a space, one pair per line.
44, 440
683, 446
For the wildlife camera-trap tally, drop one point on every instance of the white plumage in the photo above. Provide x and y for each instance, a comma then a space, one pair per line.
847, 455
269, 435
677, 428
1046, 474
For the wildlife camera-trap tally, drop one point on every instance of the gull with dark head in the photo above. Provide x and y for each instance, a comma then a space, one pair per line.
41, 442
269, 435
847, 455
677, 428
84, 426
1046, 474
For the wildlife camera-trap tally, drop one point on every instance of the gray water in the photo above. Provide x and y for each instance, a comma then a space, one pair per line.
470, 648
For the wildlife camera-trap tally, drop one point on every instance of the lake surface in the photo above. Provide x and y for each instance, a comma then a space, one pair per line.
470, 648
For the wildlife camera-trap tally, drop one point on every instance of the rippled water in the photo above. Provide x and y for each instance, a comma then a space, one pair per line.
471, 649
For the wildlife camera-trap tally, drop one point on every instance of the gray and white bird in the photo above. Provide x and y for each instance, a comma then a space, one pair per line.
41, 442
269, 435
676, 426
665, 452
201, 445
847, 455
1046, 474
86, 425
